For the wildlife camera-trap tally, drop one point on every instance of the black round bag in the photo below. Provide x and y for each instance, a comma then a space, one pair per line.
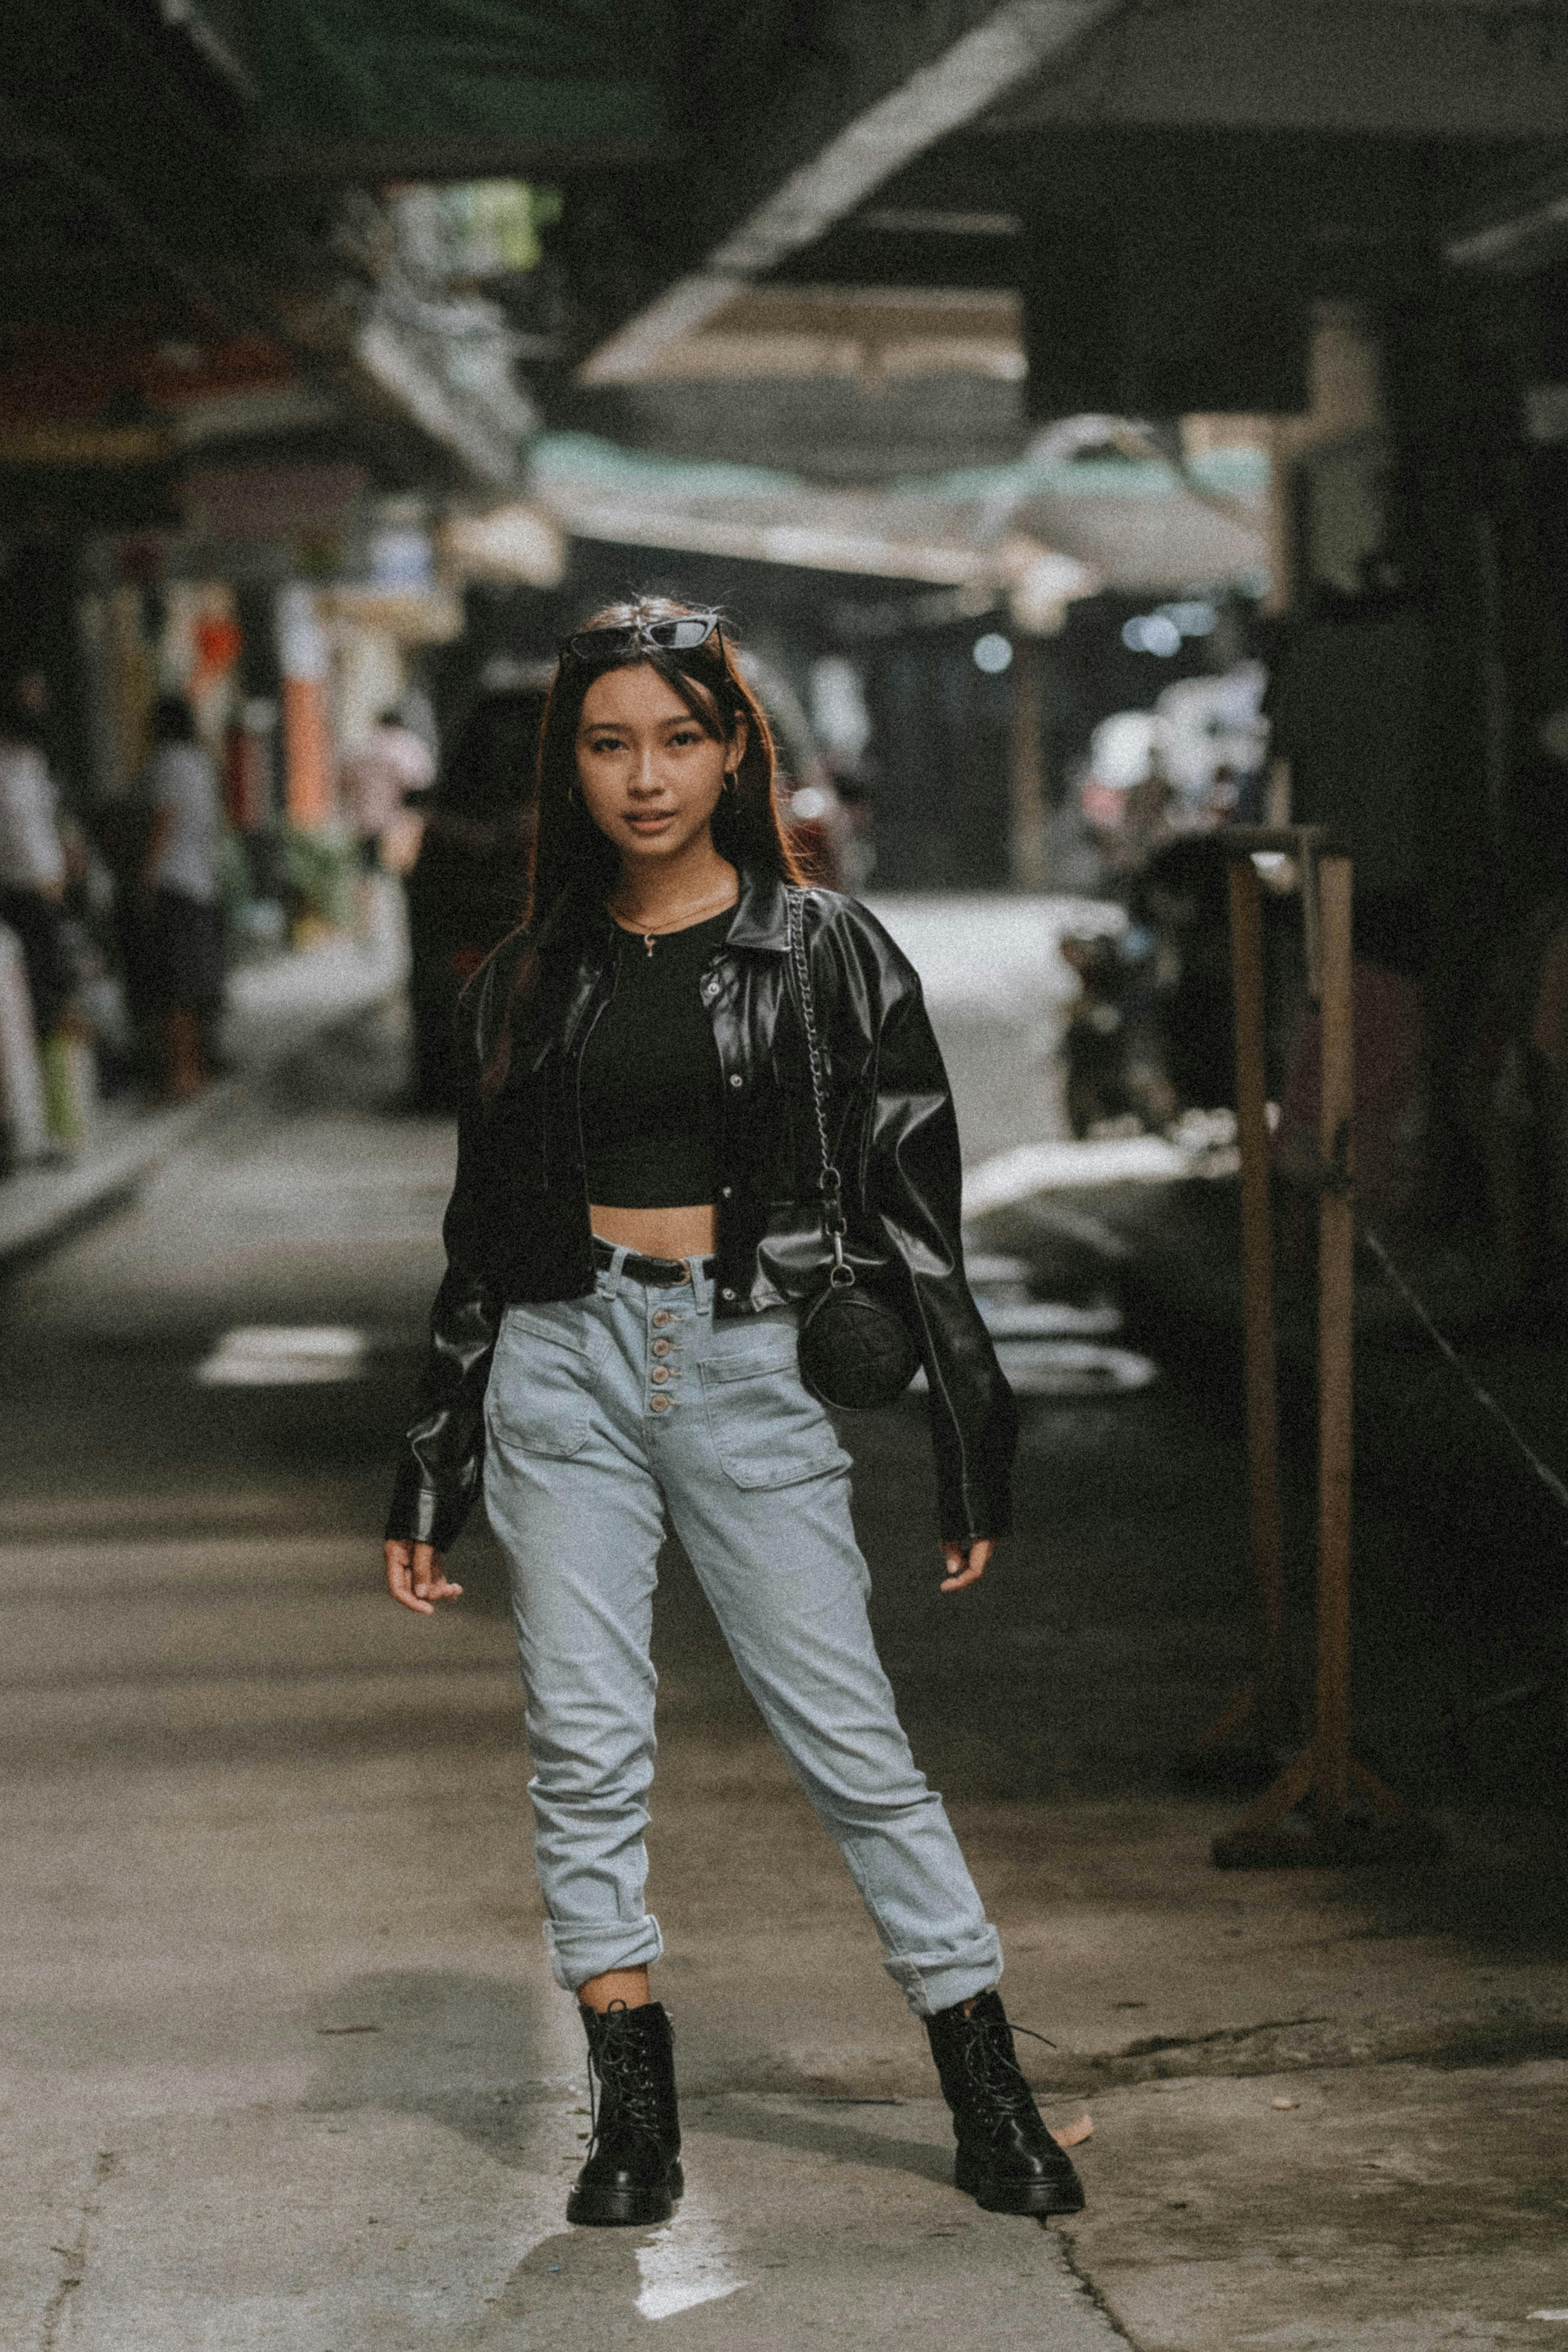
856, 1351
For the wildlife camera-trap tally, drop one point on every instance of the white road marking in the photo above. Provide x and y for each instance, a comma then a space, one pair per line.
1066, 1367
681, 2265
280, 1355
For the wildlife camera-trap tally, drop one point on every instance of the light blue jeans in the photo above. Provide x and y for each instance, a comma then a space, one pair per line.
603, 1413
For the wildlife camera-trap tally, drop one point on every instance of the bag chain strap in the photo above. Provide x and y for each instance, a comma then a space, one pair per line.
835, 1224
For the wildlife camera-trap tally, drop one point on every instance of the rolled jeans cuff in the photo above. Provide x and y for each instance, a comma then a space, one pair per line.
578, 1953
939, 1980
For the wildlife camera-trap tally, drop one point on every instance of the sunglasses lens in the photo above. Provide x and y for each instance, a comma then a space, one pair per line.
683, 636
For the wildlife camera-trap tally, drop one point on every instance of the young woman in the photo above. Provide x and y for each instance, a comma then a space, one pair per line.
635, 1224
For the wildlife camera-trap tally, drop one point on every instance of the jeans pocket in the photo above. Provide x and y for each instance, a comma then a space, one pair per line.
542, 1381
767, 1429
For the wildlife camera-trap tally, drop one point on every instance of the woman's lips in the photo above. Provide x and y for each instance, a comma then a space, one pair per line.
654, 822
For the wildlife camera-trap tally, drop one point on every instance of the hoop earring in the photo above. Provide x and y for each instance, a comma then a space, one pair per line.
571, 793
729, 783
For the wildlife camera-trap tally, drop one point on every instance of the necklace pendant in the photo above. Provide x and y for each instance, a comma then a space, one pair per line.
648, 941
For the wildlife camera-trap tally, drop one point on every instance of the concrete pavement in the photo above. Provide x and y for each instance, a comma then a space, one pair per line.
284, 2066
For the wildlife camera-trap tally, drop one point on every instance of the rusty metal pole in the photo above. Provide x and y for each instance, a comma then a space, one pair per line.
1257, 1278
1336, 1277
1028, 809
1325, 1772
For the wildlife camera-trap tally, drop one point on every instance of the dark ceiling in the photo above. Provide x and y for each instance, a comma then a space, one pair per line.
174, 174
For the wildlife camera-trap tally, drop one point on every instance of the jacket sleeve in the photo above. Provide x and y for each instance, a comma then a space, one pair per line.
443, 1453
913, 1190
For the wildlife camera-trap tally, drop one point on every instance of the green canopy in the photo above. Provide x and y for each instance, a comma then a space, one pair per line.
404, 87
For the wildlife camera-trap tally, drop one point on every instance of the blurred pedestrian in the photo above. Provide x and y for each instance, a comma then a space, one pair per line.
637, 1229
33, 863
468, 886
1146, 822
390, 763
177, 893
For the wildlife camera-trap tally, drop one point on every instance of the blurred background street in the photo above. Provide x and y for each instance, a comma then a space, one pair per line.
1103, 426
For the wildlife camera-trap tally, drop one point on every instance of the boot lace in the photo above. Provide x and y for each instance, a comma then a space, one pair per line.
993, 2072
622, 2089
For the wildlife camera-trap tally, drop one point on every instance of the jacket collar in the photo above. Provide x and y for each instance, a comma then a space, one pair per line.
761, 914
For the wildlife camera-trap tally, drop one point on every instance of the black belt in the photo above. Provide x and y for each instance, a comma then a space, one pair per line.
659, 1273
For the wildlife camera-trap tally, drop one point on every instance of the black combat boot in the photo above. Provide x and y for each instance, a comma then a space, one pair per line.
633, 2173
1008, 2161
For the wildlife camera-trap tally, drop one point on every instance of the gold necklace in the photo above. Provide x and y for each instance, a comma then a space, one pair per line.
651, 937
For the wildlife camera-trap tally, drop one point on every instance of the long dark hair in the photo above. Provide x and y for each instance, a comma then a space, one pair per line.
172, 721
573, 867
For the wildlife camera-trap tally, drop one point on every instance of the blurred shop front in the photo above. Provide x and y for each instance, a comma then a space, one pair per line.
289, 607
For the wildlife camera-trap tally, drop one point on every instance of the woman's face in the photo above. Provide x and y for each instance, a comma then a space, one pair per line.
649, 775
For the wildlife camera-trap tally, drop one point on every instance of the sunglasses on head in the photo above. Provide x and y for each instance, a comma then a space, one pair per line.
680, 636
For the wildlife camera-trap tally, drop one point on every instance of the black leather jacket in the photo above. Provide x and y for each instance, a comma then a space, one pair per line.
518, 1224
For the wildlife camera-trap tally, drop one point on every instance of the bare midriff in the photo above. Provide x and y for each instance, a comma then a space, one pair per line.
659, 1232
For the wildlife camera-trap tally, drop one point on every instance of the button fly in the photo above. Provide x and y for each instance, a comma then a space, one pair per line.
662, 1315
658, 1403
661, 1347
660, 1374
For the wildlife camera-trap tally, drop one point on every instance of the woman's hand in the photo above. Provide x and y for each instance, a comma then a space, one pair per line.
414, 1576
967, 1563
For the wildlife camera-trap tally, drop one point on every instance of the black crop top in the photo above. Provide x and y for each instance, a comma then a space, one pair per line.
649, 1080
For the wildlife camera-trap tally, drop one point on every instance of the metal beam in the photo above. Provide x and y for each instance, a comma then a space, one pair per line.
1389, 68
186, 18
1000, 47
1525, 231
